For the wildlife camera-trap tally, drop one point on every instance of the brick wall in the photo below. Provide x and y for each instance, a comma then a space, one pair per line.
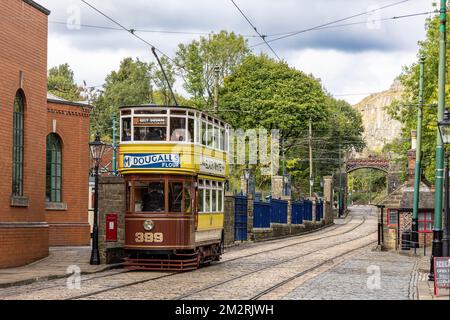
71, 123
23, 61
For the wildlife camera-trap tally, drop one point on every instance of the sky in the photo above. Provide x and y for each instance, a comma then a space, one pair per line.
351, 60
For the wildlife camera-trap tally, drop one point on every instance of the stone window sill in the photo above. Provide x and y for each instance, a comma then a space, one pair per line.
56, 206
19, 201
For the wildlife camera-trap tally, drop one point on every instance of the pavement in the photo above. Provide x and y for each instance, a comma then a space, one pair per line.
60, 263
425, 288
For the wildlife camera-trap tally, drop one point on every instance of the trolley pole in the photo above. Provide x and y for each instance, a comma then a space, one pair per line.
437, 230
415, 218
114, 146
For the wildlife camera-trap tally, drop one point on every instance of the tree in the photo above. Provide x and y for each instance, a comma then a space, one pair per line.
196, 62
60, 82
130, 85
405, 109
262, 92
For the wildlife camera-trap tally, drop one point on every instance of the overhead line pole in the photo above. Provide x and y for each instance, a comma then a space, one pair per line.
311, 179
415, 218
437, 230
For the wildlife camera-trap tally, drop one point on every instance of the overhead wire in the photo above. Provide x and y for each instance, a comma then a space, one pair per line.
263, 37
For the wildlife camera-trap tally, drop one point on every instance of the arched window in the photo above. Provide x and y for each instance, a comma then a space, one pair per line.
53, 169
17, 172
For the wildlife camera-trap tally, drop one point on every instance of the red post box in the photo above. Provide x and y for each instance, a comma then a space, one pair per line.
111, 227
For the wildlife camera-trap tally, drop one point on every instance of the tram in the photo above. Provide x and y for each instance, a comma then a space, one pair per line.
175, 164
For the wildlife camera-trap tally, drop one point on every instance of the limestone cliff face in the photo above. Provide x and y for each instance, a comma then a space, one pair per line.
379, 127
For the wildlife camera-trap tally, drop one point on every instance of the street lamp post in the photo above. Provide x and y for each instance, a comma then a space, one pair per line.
444, 131
97, 149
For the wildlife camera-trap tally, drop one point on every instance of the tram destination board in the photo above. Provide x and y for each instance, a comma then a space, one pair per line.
442, 272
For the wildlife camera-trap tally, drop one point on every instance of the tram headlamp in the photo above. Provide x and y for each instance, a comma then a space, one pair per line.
149, 225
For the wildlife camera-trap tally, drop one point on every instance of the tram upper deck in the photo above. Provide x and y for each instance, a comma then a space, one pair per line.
175, 140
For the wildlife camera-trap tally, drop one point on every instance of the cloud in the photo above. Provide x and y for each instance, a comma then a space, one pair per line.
358, 58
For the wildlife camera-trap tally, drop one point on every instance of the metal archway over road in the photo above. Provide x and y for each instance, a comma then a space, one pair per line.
391, 169
369, 163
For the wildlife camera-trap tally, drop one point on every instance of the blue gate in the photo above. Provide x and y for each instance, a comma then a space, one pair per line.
308, 214
319, 210
297, 212
240, 218
261, 214
279, 211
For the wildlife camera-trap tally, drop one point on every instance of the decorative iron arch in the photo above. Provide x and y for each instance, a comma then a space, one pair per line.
379, 164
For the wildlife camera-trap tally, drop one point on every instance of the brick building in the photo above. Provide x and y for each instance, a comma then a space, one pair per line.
44, 158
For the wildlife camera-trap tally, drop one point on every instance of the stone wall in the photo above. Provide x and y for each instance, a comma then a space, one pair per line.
228, 222
112, 200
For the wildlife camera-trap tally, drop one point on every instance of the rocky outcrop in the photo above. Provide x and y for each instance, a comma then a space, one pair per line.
379, 127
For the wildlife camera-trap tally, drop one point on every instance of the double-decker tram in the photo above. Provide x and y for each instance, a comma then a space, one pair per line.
175, 164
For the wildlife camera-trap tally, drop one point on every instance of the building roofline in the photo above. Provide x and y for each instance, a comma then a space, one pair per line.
37, 6
69, 103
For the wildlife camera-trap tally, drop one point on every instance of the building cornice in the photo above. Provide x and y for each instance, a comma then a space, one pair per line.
37, 6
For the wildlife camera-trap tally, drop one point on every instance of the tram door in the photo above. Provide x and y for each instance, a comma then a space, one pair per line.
240, 218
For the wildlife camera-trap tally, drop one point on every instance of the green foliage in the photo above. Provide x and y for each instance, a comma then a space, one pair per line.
196, 62
266, 93
130, 85
405, 110
60, 82
367, 186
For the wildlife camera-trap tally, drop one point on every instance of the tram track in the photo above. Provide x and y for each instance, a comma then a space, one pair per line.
192, 293
303, 239
90, 294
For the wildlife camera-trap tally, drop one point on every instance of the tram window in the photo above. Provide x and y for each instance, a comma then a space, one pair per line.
187, 198
150, 133
177, 129
210, 135
207, 200
149, 196
220, 200
126, 129
204, 133
190, 130
175, 196
216, 137
178, 112
222, 139
214, 200
201, 192
125, 112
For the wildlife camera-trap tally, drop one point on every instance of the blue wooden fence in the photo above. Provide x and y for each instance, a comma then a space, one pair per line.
261, 214
308, 214
278, 213
319, 210
240, 218
297, 212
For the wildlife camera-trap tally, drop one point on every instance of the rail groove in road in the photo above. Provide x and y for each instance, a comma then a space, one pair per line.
222, 263
299, 240
201, 290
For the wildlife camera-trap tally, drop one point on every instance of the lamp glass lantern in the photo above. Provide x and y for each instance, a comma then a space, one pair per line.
97, 148
444, 128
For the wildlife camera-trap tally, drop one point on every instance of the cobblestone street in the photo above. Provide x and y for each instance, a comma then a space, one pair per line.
333, 263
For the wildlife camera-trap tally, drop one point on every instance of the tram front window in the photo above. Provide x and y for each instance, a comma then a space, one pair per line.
177, 129
149, 133
149, 197
175, 196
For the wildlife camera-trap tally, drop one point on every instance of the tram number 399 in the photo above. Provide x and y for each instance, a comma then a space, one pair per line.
148, 237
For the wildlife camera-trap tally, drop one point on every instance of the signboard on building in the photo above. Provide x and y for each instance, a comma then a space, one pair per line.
152, 161
211, 165
441, 273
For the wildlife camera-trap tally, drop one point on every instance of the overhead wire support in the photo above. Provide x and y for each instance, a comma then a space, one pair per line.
263, 37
